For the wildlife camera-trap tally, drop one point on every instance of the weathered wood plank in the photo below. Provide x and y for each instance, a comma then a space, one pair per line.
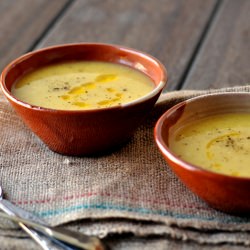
167, 29
224, 58
22, 23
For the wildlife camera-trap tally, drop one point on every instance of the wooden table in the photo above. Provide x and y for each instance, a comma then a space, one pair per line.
203, 44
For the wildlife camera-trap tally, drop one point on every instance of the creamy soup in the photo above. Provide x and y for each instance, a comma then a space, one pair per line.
82, 85
219, 143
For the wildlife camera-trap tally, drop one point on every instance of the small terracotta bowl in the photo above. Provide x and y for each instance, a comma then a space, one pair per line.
88, 131
223, 192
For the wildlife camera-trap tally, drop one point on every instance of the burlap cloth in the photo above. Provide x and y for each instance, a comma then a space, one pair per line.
130, 190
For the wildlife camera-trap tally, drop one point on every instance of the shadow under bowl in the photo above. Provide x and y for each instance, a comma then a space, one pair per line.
223, 192
85, 132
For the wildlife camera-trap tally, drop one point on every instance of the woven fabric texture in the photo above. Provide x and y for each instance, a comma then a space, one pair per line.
130, 190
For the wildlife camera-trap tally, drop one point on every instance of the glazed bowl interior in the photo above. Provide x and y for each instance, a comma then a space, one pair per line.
201, 107
224, 192
87, 52
88, 131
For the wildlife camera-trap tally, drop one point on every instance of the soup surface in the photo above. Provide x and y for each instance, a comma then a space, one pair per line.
82, 85
219, 143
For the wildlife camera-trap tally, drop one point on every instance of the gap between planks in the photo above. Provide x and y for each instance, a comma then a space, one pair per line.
51, 25
200, 42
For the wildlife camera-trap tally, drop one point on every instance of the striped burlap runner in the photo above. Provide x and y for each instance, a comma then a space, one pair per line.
130, 190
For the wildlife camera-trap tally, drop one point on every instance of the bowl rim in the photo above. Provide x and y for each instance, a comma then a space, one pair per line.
157, 89
170, 155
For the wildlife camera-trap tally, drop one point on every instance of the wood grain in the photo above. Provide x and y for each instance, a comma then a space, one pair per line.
22, 23
167, 29
224, 58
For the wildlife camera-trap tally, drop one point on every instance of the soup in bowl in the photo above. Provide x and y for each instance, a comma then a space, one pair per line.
206, 141
86, 98
82, 85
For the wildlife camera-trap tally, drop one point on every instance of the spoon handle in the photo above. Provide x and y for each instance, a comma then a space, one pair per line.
69, 237
43, 241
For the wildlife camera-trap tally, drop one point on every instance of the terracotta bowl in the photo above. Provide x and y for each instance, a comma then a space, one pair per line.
223, 192
88, 131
